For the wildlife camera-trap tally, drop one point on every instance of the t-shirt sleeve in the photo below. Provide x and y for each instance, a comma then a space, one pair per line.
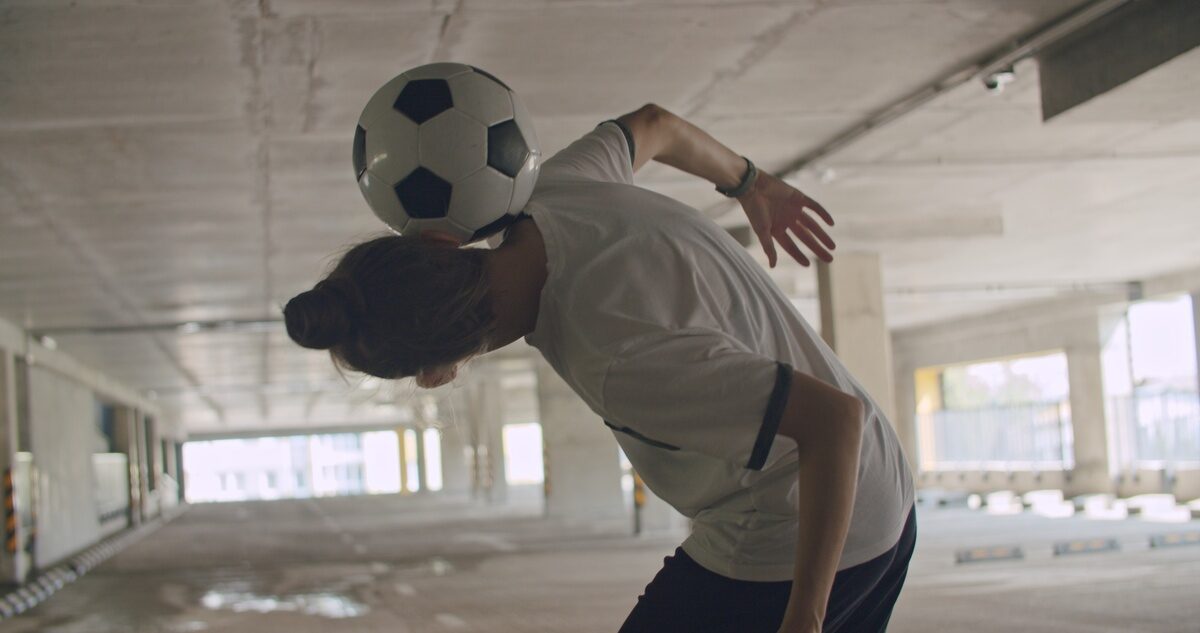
698, 390
603, 155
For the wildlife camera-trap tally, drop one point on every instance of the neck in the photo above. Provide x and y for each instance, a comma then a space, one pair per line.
516, 271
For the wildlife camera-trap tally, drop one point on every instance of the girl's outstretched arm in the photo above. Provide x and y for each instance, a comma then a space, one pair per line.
777, 211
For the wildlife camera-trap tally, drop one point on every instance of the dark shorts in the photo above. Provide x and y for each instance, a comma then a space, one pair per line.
687, 598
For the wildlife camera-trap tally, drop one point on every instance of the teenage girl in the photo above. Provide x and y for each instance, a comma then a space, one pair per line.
726, 402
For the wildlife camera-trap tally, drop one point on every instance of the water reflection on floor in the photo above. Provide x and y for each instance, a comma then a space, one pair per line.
329, 605
424, 565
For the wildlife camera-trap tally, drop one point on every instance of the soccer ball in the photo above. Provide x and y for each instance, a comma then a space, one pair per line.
446, 147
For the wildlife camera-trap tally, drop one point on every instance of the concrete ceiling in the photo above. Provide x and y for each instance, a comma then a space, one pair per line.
180, 161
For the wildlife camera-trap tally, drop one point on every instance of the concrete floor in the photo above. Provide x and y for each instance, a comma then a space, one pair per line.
420, 564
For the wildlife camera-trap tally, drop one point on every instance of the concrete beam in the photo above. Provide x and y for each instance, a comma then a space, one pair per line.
1116, 48
321, 429
17, 341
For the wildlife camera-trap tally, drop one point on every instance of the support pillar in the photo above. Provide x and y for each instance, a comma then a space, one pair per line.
655, 516
1196, 325
457, 454
422, 475
125, 436
169, 497
168, 456
583, 466
145, 461
402, 447
486, 409
853, 324
15, 561
1116, 392
180, 477
1089, 423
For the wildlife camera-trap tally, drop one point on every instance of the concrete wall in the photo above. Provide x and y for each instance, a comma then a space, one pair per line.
64, 438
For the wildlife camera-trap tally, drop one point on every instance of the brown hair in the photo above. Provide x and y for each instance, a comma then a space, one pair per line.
395, 306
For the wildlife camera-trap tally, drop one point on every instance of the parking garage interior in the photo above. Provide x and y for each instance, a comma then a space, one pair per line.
1016, 283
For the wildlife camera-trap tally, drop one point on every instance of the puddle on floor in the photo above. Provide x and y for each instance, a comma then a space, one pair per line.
187, 626
325, 604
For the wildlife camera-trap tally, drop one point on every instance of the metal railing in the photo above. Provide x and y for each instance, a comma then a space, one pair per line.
1014, 437
1157, 428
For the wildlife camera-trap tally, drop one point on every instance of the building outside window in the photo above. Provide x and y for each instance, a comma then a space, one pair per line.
1151, 385
291, 467
1002, 414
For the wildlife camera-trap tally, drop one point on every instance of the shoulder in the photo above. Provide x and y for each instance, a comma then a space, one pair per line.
601, 155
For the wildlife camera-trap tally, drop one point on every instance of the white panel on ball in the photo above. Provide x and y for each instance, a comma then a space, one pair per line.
382, 101
440, 70
381, 197
453, 145
481, 98
523, 184
525, 124
392, 150
481, 198
526, 178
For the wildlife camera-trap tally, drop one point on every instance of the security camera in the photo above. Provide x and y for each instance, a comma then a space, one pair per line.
996, 81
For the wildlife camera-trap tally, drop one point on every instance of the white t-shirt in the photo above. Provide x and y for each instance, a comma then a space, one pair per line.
680, 341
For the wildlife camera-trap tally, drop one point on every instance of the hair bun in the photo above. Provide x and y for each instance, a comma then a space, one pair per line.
324, 316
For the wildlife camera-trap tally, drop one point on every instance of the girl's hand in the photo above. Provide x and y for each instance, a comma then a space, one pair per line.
775, 208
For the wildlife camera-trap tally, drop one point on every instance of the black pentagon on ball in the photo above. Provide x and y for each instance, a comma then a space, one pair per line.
424, 194
360, 151
507, 149
424, 99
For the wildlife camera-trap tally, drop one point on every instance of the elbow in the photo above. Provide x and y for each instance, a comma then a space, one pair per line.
651, 109
654, 113
819, 414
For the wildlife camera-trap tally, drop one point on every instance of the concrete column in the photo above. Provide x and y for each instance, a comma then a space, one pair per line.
1196, 325
168, 457
15, 561
486, 410
583, 466
1117, 390
658, 517
402, 446
167, 448
177, 462
457, 454
125, 435
422, 476
853, 324
145, 461
1085, 373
